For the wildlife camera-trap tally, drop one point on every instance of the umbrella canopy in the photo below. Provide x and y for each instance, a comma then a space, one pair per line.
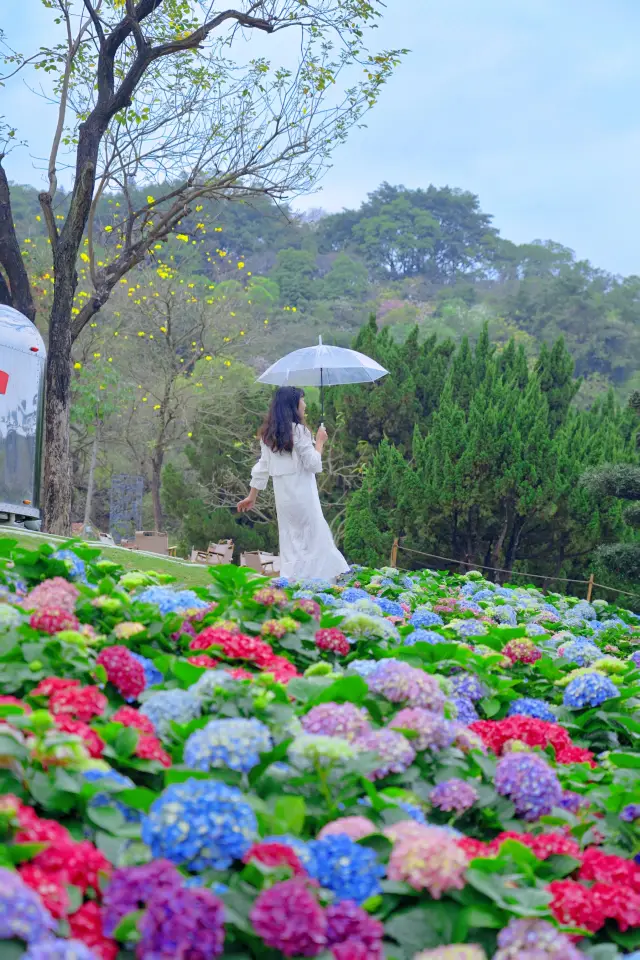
322, 366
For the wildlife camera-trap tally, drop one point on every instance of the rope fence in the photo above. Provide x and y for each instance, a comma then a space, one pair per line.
590, 583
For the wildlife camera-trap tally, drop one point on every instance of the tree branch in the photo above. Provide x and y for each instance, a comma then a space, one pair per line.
10, 254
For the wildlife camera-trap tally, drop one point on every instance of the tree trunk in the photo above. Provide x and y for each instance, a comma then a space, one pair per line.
11, 257
92, 471
156, 479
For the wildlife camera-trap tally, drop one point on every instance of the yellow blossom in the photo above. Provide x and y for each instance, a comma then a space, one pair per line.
77, 366
240, 264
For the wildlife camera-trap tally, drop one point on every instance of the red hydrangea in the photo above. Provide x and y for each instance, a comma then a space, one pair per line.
543, 845
83, 703
573, 905
87, 866
150, 748
51, 685
281, 668
274, 855
94, 744
474, 848
203, 660
130, 717
125, 673
241, 647
52, 620
288, 918
86, 925
535, 733
609, 868
333, 640
239, 673
617, 903
50, 886
210, 637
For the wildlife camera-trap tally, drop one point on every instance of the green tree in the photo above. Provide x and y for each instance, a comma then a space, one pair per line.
295, 272
347, 279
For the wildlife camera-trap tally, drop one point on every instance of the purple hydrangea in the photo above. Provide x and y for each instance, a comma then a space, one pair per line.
530, 783
534, 939
531, 707
465, 711
434, 731
572, 801
469, 686
131, 888
630, 813
182, 923
57, 949
393, 680
22, 914
454, 795
635, 657
347, 922
394, 751
336, 720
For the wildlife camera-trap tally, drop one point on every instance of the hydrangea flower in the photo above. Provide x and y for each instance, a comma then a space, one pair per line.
581, 651
455, 951
58, 949
465, 711
426, 618
390, 608
359, 625
76, 568
423, 636
401, 683
427, 858
309, 749
22, 916
353, 594
210, 683
454, 795
343, 720
200, 824
530, 783
533, 939
9, 617
589, 690
111, 778
393, 750
179, 706
469, 686
123, 671
348, 924
299, 847
535, 630
54, 592
630, 813
233, 743
182, 923
152, 676
434, 731
349, 870
364, 668
584, 610
469, 628
289, 919
531, 707
172, 601
505, 614
353, 827
131, 886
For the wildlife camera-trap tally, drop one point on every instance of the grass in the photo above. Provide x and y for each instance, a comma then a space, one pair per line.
186, 574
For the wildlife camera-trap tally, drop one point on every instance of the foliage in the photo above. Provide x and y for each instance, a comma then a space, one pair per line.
448, 846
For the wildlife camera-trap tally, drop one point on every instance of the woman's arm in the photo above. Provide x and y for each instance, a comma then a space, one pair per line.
259, 481
310, 455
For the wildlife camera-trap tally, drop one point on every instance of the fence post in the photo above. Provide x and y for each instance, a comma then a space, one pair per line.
394, 552
590, 587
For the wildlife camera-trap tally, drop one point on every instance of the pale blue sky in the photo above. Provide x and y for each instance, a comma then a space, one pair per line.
532, 104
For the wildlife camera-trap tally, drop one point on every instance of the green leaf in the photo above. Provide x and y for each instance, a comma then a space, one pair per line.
127, 929
19, 852
485, 917
140, 798
344, 690
186, 673
290, 812
490, 706
126, 742
627, 761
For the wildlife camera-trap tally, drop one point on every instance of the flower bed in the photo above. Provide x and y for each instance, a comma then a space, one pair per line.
396, 767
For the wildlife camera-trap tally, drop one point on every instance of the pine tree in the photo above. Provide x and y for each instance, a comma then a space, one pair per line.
372, 519
621, 480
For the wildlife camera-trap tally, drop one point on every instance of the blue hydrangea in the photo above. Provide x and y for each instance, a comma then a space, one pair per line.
468, 589
465, 710
506, 614
363, 667
206, 686
408, 583
234, 743
423, 636
22, 915
589, 690
111, 778
414, 812
349, 870
611, 624
172, 601
535, 630
506, 593
389, 607
483, 595
531, 707
200, 824
352, 594
550, 608
179, 706
76, 568
327, 599
152, 676
581, 651
280, 583
469, 686
575, 622
469, 606
584, 610
471, 628
426, 618
59, 950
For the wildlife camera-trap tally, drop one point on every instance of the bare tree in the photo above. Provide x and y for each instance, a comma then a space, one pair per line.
163, 90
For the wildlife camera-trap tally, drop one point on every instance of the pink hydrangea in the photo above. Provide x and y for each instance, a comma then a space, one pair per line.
434, 731
394, 750
55, 592
354, 827
123, 671
288, 918
343, 720
428, 859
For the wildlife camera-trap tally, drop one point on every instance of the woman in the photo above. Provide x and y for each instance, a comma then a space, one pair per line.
290, 457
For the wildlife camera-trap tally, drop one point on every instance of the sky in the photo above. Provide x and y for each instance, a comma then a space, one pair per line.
534, 105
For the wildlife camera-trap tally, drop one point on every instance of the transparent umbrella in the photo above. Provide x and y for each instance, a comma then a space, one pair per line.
322, 366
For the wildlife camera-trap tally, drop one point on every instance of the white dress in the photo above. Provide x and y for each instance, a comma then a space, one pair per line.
307, 549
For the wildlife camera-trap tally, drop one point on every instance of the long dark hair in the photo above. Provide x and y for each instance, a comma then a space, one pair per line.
277, 430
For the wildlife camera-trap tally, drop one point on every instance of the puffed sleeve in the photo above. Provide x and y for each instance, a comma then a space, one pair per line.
260, 473
303, 445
